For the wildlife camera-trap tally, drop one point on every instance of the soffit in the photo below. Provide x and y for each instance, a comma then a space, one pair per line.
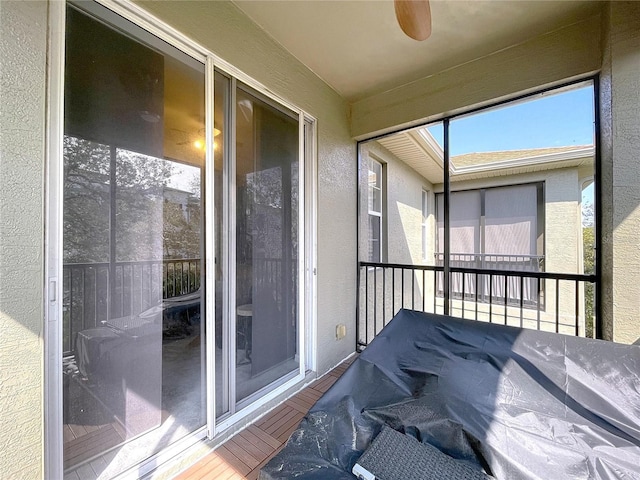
358, 49
411, 148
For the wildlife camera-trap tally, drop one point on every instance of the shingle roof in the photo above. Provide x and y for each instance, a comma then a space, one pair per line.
482, 158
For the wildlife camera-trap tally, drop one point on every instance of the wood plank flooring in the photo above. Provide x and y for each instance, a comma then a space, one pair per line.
244, 454
94, 442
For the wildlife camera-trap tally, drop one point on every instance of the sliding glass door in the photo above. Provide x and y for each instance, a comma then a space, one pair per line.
133, 316
258, 213
138, 149
266, 260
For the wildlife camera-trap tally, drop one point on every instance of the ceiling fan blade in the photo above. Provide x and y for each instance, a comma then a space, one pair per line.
414, 17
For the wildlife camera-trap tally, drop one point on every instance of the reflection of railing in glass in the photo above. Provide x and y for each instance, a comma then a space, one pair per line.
483, 290
138, 287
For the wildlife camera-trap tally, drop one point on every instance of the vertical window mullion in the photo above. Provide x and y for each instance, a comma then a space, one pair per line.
210, 249
447, 225
230, 283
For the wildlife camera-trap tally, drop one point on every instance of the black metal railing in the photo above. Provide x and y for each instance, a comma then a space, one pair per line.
97, 292
494, 261
92, 295
552, 302
480, 289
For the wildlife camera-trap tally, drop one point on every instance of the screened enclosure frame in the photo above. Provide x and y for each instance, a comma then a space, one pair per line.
593, 81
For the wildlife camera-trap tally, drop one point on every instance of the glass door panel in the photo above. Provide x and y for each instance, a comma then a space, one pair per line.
134, 376
266, 264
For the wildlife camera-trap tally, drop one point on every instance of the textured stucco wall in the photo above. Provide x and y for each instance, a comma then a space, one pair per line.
606, 181
403, 208
557, 56
23, 27
562, 239
222, 28
621, 170
563, 228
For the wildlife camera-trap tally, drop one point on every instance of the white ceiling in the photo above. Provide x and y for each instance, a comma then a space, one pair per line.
358, 49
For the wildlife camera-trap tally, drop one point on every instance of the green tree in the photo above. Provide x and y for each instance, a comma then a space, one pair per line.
148, 226
86, 201
588, 248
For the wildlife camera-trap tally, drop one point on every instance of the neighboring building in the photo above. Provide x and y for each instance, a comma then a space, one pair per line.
280, 180
509, 210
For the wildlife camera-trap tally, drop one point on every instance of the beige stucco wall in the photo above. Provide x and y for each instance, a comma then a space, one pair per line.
620, 104
402, 209
610, 44
566, 53
402, 241
222, 28
563, 248
23, 27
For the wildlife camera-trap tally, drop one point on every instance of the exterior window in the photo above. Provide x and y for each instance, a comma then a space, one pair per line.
425, 214
375, 198
499, 228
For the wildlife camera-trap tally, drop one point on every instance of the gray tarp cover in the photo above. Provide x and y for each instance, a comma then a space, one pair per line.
519, 403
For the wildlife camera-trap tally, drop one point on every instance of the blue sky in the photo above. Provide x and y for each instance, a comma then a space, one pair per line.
550, 120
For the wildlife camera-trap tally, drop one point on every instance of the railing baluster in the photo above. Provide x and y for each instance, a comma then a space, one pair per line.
402, 273
384, 296
83, 280
375, 300
476, 295
435, 291
463, 292
190, 277
424, 291
165, 279
393, 291
557, 305
521, 300
506, 288
174, 283
413, 290
490, 298
366, 303
538, 302
577, 308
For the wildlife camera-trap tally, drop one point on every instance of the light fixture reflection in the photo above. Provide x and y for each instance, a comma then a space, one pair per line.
199, 144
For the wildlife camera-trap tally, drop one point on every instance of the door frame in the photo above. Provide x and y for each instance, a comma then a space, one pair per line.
53, 260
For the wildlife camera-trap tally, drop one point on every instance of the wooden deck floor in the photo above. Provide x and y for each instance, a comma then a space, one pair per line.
244, 454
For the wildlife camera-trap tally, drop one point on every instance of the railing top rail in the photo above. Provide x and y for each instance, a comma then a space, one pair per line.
133, 262
523, 273
590, 278
501, 255
433, 268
